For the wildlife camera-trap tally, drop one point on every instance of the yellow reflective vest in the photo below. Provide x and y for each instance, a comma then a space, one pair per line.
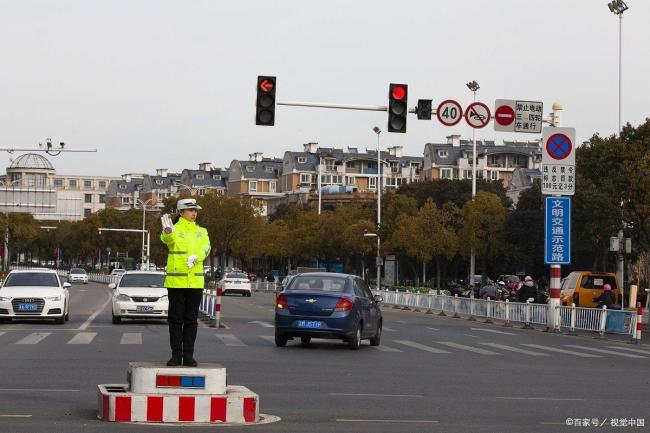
186, 239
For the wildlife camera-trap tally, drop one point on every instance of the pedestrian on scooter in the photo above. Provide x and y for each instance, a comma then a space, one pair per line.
606, 298
527, 290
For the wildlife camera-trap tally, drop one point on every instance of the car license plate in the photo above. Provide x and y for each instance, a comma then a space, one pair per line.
311, 324
27, 307
143, 309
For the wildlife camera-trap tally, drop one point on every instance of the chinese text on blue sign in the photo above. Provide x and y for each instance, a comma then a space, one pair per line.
557, 229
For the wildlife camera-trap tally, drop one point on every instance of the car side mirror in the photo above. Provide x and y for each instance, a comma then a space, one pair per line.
67, 285
379, 298
112, 286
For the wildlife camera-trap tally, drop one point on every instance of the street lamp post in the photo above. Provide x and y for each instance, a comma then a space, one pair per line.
473, 86
617, 7
378, 258
378, 131
144, 209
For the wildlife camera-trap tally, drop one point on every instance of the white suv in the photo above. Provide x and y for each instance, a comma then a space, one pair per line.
34, 294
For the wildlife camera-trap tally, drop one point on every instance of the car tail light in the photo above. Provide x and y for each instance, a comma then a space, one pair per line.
246, 281
281, 302
344, 304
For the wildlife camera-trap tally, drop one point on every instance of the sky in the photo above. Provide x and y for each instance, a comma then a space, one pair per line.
169, 84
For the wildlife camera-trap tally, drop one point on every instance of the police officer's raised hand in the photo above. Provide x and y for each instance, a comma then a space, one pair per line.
167, 224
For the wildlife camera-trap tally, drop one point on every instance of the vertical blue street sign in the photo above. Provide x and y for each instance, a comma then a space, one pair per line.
557, 231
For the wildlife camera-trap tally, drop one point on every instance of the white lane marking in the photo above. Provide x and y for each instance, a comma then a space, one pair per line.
386, 349
131, 338
493, 331
345, 394
608, 352
33, 338
2, 333
386, 328
566, 352
37, 390
14, 416
541, 398
389, 421
468, 348
420, 346
433, 329
470, 335
264, 324
83, 338
230, 340
92, 317
644, 352
515, 349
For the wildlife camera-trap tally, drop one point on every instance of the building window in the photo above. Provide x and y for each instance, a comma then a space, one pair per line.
443, 154
88, 198
250, 168
350, 180
126, 200
216, 177
302, 160
493, 175
72, 183
199, 176
467, 174
102, 184
372, 183
445, 173
201, 191
394, 166
391, 181
268, 169
87, 212
58, 182
351, 164
159, 182
331, 180
252, 186
122, 186
88, 183
329, 164
305, 178
102, 198
273, 186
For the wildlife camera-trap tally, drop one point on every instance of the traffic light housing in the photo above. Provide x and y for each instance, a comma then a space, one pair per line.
397, 107
265, 102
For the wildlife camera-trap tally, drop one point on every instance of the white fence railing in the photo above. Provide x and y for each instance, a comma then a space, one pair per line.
571, 318
265, 286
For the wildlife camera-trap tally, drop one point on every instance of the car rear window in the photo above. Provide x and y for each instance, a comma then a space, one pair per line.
142, 280
237, 275
32, 279
598, 281
324, 284
77, 271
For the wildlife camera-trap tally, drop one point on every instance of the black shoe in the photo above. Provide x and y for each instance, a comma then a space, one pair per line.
175, 361
189, 361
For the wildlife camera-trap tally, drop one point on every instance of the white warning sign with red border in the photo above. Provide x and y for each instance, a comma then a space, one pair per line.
518, 116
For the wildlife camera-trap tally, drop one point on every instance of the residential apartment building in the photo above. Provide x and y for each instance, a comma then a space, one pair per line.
124, 193
257, 178
453, 160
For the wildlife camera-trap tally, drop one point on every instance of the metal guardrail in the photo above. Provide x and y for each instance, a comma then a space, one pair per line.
265, 286
570, 318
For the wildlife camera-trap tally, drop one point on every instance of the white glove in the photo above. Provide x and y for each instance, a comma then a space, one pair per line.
191, 260
167, 224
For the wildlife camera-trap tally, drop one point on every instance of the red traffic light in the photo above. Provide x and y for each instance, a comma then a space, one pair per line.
399, 93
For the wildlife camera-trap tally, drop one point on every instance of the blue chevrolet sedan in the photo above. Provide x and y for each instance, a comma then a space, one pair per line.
327, 305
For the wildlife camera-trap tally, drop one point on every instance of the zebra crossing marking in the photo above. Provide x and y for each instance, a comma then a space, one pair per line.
609, 352
494, 331
564, 351
386, 328
83, 338
33, 338
515, 349
230, 340
420, 346
386, 349
131, 338
644, 352
467, 348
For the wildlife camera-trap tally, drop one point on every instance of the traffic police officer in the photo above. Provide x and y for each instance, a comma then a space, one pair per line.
188, 245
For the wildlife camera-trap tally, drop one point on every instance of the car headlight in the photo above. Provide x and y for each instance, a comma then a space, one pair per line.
123, 297
163, 298
4, 298
52, 298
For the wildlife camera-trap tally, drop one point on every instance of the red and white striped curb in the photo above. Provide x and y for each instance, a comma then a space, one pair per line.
239, 406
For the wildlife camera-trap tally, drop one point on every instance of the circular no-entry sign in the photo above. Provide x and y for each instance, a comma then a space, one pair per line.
449, 112
504, 115
558, 146
477, 115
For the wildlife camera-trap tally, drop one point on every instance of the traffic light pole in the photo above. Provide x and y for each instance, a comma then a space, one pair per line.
342, 106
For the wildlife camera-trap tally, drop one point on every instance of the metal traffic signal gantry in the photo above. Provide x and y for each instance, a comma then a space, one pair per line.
397, 107
265, 102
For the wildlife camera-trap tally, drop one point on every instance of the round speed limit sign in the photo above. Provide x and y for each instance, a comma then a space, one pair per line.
449, 112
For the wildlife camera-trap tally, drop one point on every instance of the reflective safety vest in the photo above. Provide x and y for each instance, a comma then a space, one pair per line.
186, 239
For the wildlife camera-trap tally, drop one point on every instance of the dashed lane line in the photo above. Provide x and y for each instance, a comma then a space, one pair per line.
629, 349
386, 349
564, 351
468, 348
33, 338
420, 346
494, 331
83, 338
386, 328
131, 338
515, 349
608, 352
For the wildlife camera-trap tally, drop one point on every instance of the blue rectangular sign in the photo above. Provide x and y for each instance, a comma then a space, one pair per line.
557, 231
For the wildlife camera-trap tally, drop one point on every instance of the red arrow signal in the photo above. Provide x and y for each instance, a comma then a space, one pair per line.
266, 85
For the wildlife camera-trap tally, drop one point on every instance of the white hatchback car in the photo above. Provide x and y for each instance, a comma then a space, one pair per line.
235, 282
140, 295
34, 294
77, 275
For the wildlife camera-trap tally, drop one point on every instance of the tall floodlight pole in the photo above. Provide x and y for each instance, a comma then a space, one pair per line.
144, 209
378, 131
473, 86
617, 7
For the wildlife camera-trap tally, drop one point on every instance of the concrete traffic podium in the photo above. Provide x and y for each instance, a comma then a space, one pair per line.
155, 393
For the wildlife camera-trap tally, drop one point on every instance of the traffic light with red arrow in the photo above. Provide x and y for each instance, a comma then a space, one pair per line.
265, 102
397, 107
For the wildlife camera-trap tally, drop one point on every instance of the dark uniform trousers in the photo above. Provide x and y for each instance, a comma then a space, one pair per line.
183, 313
